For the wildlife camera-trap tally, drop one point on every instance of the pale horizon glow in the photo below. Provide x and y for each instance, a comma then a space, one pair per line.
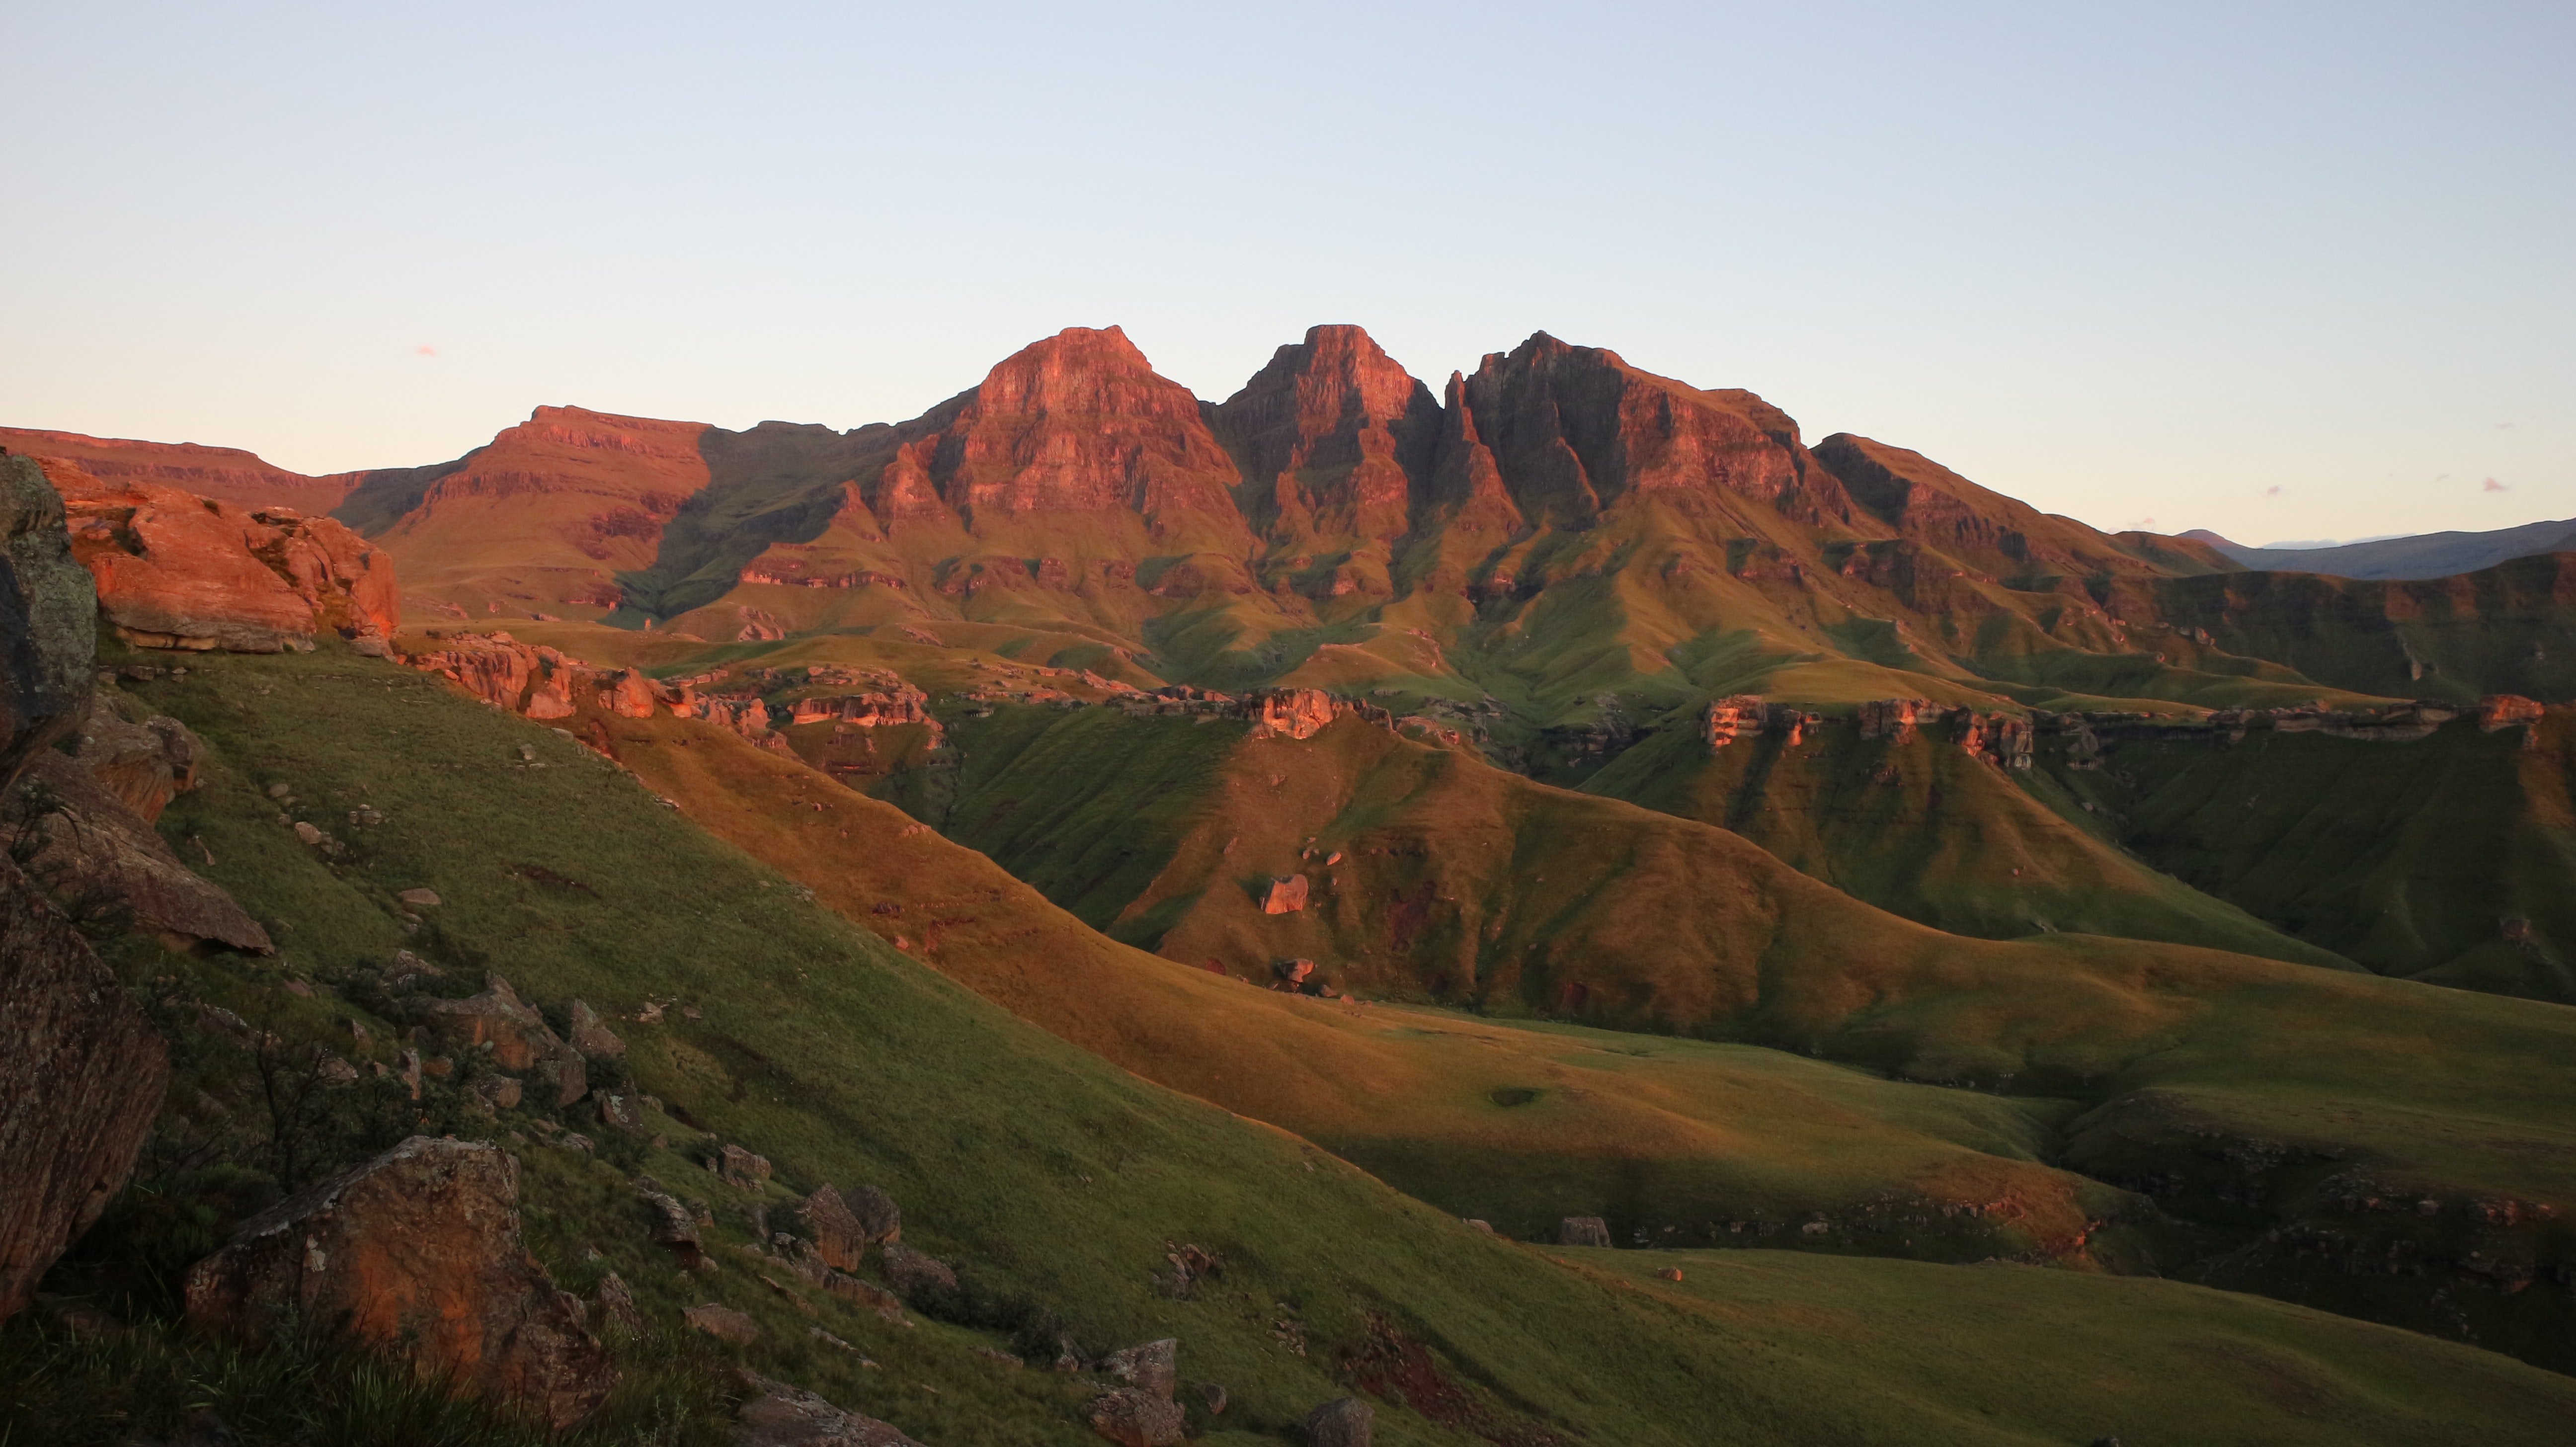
2285, 271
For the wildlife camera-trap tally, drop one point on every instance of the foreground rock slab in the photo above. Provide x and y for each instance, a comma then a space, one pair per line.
418, 1253
784, 1416
81, 1076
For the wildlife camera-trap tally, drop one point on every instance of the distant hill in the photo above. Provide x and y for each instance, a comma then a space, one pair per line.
2425, 555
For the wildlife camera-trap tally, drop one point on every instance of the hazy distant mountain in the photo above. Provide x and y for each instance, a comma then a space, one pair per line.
2425, 555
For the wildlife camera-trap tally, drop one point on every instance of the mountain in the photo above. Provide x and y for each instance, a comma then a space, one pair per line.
225, 474
2424, 555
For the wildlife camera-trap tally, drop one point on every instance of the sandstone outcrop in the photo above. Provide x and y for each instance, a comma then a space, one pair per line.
1294, 713
417, 1253
519, 1037
1285, 895
175, 570
2504, 710
779, 1415
226, 474
839, 1240
1893, 719
1335, 438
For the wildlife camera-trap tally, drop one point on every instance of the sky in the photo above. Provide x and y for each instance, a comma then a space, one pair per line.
2282, 271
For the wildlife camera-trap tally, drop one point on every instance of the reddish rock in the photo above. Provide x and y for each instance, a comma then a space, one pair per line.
591, 1036
1336, 438
81, 1076
226, 474
1077, 423
741, 1168
1893, 719
1729, 719
879, 1218
2504, 710
1286, 895
418, 1253
1574, 430
779, 1415
175, 570
633, 695
839, 1240
1293, 713
519, 1037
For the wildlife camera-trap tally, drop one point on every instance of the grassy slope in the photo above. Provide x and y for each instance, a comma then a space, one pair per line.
1930, 832
2408, 858
1668, 1135
1062, 1176
1473, 885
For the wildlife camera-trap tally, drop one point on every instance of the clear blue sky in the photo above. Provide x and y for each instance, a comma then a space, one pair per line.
2127, 262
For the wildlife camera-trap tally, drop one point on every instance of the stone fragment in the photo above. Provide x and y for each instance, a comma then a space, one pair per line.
81, 1076
878, 1216
778, 1415
408, 968
1582, 1231
1132, 1417
1670, 1273
741, 1168
1213, 1397
619, 1111
418, 896
498, 1091
723, 1323
1286, 895
613, 1307
592, 1037
1347, 1422
913, 1273
417, 1253
1154, 1367
675, 1230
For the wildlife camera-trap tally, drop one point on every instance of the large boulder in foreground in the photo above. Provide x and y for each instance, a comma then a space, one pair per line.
418, 1253
81, 1075
175, 570
48, 641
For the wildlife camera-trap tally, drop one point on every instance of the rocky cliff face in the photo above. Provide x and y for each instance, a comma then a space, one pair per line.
81, 1069
1334, 439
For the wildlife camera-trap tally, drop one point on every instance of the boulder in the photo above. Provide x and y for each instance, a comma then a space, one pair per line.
48, 612
518, 1035
1154, 1367
741, 1168
144, 765
1286, 895
675, 1229
912, 1273
880, 1219
1133, 1417
778, 1415
1348, 1422
591, 1037
416, 1252
723, 1323
839, 1240
2504, 710
99, 855
613, 1307
620, 1110
81, 1076
1582, 1231
498, 1091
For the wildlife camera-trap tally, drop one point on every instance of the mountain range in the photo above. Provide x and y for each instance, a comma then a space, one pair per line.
1378, 884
